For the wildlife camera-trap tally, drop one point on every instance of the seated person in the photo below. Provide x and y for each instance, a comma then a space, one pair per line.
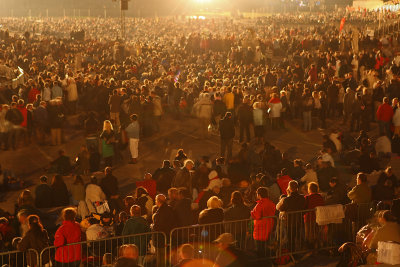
62, 164
390, 230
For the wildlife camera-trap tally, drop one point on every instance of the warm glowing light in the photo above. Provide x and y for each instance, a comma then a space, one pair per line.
202, 1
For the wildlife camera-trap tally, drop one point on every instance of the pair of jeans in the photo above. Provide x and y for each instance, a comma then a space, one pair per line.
307, 120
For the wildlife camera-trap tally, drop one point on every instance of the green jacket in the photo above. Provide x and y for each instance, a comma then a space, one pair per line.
136, 226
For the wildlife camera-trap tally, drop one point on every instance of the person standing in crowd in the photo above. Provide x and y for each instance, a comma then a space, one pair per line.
37, 239
313, 199
108, 139
259, 120
262, 225
109, 185
43, 194
307, 107
68, 232
292, 202
14, 118
245, 117
183, 177
115, 105
72, 93
40, 121
275, 107
227, 133
384, 115
164, 176
132, 131
60, 191
163, 221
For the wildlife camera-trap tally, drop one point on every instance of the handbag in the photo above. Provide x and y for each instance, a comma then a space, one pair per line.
102, 207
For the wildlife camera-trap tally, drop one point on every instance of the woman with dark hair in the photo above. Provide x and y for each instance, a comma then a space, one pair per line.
60, 191
240, 214
237, 209
145, 202
180, 155
77, 190
68, 232
35, 238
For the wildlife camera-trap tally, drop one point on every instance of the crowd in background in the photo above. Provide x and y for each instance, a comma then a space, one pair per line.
230, 74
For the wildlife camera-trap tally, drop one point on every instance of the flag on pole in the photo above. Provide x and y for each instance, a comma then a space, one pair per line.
342, 24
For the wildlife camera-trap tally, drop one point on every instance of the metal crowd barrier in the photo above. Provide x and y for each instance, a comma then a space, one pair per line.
202, 237
20, 259
152, 250
299, 232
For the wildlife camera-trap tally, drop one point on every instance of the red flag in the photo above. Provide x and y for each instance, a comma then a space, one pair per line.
342, 24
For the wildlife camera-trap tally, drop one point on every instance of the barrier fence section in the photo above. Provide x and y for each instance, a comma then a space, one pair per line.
202, 237
20, 259
300, 233
152, 248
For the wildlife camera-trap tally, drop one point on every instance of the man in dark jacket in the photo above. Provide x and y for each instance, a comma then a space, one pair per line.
164, 177
183, 208
15, 118
227, 132
40, 120
293, 202
229, 255
245, 116
109, 185
337, 193
164, 220
43, 194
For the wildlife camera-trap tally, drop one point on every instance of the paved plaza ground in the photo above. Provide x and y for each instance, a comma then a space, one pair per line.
30, 162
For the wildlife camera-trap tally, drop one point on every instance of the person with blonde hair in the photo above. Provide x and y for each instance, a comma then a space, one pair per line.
107, 143
213, 214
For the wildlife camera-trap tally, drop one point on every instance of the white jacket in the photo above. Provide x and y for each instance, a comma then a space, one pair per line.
396, 117
96, 232
275, 110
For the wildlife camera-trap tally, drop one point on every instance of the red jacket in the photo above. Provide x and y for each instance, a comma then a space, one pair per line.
68, 232
263, 226
150, 185
24, 113
312, 201
283, 183
32, 95
385, 112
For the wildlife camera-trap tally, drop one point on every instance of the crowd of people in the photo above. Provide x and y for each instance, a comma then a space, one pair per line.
231, 75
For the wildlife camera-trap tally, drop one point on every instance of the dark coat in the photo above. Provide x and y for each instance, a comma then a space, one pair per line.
60, 195
183, 210
245, 113
164, 220
43, 196
227, 128
164, 177
239, 212
109, 185
211, 216
36, 241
